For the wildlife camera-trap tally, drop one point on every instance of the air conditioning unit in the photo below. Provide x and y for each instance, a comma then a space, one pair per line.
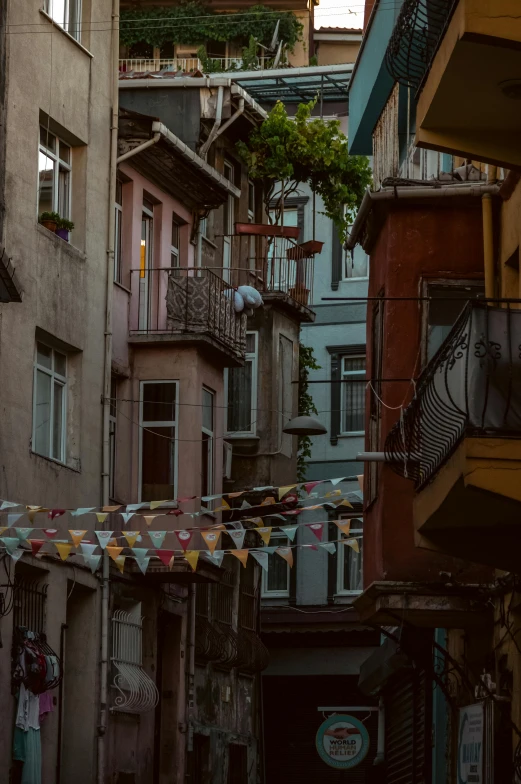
227, 460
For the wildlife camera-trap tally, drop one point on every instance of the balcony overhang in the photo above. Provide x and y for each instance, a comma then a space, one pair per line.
424, 605
10, 289
218, 353
464, 107
472, 507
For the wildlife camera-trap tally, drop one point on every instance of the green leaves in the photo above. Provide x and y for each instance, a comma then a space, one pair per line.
306, 406
311, 150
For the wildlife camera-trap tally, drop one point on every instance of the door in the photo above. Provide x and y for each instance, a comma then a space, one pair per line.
281, 270
228, 221
167, 739
408, 717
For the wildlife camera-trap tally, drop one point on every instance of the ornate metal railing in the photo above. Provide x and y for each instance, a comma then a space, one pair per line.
419, 28
472, 386
134, 690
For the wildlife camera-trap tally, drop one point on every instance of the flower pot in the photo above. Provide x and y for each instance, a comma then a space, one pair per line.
63, 233
49, 224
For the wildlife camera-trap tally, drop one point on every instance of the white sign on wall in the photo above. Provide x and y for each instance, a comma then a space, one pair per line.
470, 744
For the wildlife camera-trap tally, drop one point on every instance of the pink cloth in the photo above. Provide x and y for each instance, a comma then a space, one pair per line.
46, 704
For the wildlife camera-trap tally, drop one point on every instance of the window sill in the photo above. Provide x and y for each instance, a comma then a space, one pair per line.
241, 437
66, 247
121, 286
65, 33
354, 280
354, 434
55, 462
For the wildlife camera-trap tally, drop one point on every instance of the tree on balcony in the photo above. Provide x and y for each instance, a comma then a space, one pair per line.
306, 149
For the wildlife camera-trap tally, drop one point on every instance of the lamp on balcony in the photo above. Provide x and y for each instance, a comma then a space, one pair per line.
304, 426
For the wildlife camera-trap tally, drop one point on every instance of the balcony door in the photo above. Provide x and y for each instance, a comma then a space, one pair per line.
281, 270
145, 264
228, 220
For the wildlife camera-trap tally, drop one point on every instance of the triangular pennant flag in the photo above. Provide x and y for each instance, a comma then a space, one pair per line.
192, 556
333, 493
265, 534
120, 562
81, 510
165, 556
102, 516
310, 486
269, 550
286, 553
176, 512
149, 519
216, 557
184, 537
284, 490
203, 498
290, 531
126, 516
77, 535
225, 506
140, 553
16, 555
345, 502
235, 495
242, 555
64, 549
245, 505
92, 561
143, 564
329, 546
317, 529
87, 549
52, 514
35, 508
36, 545
12, 519
266, 487
211, 539
311, 508
158, 537
361, 482
268, 501
10, 542
50, 532
135, 507
256, 520
156, 504
31, 514
261, 558
336, 481
344, 526
352, 543
238, 525
103, 538
111, 508
131, 537
8, 505
295, 511
22, 533
114, 551
3, 529
238, 537
310, 546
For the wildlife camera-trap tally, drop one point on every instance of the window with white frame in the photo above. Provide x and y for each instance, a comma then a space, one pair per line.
49, 402
356, 263
175, 243
54, 174
157, 445
241, 392
353, 395
350, 562
118, 216
66, 14
275, 580
207, 442
113, 413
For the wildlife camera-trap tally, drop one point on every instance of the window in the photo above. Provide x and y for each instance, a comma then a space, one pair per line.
350, 563
158, 430
285, 392
251, 219
207, 443
443, 310
54, 179
228, 222
375, 407
118, 215
175, 243
146, 263
66, 14
113, 412
353, 395
50, 402
275, 581
355, 263
241, 392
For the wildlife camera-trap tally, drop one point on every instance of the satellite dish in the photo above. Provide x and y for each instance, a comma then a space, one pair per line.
275, 39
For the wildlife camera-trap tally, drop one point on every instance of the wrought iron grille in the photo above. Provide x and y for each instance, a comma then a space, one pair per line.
471, 386
419, 28
29, 604
136, 691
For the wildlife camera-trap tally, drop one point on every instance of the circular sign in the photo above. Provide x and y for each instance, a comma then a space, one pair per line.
342, 742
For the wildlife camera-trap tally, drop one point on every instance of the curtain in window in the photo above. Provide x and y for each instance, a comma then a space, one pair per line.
239, 399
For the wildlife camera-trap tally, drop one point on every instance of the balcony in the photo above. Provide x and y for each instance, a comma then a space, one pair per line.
186, 305
183, 64
461, 59
459, 440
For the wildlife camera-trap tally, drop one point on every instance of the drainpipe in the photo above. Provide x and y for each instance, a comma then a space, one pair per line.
488, 234
191, 671
156, 137
218, 118
107, 370
380, 743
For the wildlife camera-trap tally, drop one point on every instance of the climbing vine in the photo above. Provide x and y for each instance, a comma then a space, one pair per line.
193, 23
306, 149
306, 406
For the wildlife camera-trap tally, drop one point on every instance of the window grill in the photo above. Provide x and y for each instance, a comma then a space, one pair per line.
29, 604
136, 691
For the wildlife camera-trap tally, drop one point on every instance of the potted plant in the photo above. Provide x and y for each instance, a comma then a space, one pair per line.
49, 220
64, 227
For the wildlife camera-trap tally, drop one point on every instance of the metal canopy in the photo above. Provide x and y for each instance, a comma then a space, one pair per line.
298, 85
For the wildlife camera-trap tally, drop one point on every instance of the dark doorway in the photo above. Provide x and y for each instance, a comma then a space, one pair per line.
169, 676
237, 764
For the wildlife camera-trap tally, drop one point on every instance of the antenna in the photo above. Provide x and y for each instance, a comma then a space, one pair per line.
277, 57
275, 39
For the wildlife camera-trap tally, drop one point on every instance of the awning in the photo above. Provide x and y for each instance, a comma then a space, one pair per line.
298, 85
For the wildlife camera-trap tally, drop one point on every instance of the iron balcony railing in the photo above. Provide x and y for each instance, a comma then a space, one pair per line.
186, 300
417, 34
472, 386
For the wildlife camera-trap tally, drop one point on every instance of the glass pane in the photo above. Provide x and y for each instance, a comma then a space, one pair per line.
353, 406
42, 414
159, 403
352, 364
57, 434
47, 139
239, 399
207, 410
74, 26
44, 355
45, 183
250, 342
175, 234
206, 464
63, 192
57, 11
60, 363
353, 578
158, 463
65, 152
277, 575
119, 192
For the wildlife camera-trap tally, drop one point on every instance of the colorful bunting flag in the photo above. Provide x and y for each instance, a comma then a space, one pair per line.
135, 507
82, 510
131, 537
7, 505
268, 501
235, 495
36, 545
149, 519
156, 504
329, 546
165, 556
50, 532
22, 533
12, 519
284, 490
114, 552
216, 557
361, 482
242, 555
211, 539
238, 537
317, 529
64, 549
265, 534
101, 517
290, 531
77, 535
104, 538
16, 554
344, 525
225, 506
126, 516
3, 529
336, 481
109, 509
120, 562
286, 553
352, 543
158, 537
31, 514
92, 561
333, 493
192, 556
245, 505
87, 549
140, 553
52, 514
184, 537
261, 557
143, 565
345, 502
310, 486
10, 542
